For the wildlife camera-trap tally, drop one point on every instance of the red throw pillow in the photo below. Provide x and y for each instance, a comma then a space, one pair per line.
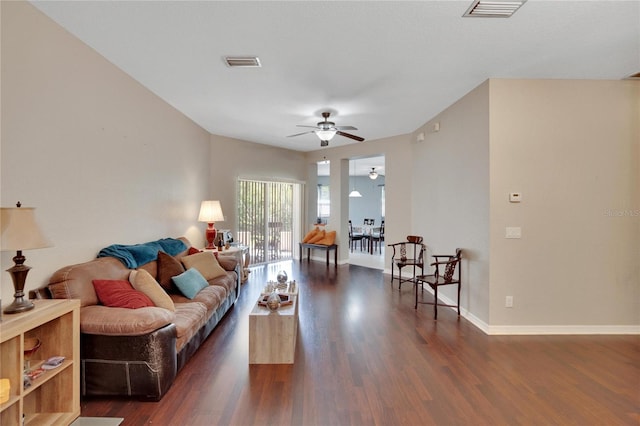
193, 250
120, 294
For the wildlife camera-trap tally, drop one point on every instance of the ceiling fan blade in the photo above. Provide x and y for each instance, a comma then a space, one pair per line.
299, 134
302, 125
346, 128
348, 135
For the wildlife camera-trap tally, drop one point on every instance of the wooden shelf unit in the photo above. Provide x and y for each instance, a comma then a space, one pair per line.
54, 397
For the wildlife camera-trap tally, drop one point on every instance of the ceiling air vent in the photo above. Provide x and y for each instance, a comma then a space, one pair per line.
492, 9
242, 61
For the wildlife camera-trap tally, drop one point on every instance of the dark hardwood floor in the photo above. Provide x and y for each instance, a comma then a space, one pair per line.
365, 356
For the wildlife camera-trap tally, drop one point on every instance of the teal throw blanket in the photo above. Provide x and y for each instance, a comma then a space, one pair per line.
138, 254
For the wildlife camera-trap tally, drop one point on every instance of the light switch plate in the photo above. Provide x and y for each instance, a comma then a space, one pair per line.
513, 232
515, 197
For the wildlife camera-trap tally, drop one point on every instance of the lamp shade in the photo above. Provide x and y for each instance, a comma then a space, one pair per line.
355, 194
210, 211
20, 231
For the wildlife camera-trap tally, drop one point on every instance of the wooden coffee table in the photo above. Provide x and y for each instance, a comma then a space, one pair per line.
272, 335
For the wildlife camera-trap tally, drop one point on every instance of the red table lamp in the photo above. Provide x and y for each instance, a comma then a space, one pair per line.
210, 212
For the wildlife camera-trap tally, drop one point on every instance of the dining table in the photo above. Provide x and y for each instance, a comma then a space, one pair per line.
368, 231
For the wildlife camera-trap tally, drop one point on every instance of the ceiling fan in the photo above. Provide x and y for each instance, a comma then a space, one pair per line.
326, 130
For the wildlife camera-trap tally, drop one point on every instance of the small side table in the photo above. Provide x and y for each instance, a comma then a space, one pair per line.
273, 335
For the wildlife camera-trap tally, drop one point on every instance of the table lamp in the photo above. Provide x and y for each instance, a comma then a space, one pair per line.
210, 212
20, 232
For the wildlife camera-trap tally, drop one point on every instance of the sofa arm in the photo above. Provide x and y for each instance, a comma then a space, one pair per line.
141, 366
108, 321
228, 263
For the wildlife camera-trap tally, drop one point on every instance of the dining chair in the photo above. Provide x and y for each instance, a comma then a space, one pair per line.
354, 236
377, 238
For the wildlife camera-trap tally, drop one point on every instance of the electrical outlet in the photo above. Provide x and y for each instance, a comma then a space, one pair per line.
508, 302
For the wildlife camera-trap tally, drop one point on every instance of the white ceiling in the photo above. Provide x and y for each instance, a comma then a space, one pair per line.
385, 67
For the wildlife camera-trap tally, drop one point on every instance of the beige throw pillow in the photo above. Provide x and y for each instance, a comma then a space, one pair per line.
206, 263
142, 281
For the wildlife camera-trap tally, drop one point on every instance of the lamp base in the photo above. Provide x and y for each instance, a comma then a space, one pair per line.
19, 275
210, 235
19, 305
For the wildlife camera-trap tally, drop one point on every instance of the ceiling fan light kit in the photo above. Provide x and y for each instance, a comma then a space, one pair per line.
373, 175
326, 130
325, 135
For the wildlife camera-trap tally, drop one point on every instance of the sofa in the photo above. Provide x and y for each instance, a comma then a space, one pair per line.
137, 351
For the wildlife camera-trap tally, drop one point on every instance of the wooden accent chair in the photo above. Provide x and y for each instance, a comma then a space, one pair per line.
450, 269
407, 253
354, 236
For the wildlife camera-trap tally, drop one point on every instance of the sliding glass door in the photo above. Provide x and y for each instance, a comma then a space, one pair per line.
268, 219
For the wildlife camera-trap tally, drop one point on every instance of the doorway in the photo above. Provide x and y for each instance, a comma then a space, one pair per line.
367, 177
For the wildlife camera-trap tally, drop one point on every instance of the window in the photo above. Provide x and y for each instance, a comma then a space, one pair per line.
324, 203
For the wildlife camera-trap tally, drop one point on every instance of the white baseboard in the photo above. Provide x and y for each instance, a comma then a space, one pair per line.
562, 329
495, 330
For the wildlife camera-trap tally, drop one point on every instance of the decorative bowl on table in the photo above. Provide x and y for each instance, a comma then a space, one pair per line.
282, 277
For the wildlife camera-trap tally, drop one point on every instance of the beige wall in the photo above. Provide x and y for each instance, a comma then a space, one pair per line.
232, 159
571, 148
101, 158
451, 194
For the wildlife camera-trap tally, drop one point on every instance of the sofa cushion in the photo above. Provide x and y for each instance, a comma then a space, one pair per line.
75, 281
228, 263
229, 282
211, 296
190, 282
189, 318
206, 263
98, 319
120, 294
168, 267
142, 281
